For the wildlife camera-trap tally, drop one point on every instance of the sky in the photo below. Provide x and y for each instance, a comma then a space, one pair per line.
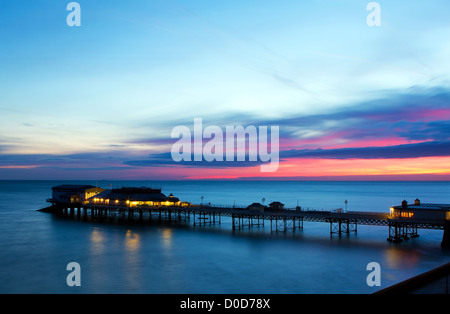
99, 101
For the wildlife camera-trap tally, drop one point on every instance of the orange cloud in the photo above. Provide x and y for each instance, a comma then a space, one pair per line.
332, 168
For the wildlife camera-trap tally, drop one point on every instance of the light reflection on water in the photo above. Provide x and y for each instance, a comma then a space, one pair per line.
132, 242
97, 244
401, 259
167, 238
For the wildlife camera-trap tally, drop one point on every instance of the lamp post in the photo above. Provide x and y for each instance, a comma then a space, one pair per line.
202, 199
345, 202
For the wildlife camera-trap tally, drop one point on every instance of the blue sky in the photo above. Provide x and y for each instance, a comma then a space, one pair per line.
117, 85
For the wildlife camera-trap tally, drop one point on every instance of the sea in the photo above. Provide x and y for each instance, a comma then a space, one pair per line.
36, 248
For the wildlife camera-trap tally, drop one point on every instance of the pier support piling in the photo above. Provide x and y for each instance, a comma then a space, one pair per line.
343, 226
400, 231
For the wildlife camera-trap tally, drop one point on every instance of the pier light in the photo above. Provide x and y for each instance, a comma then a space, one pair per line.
117, 201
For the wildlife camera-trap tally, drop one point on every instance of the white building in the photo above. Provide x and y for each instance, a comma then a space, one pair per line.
74, 193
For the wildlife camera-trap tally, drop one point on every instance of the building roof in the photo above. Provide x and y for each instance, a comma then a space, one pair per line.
254, 205
69, 187
425, 206
134, 190
276, 203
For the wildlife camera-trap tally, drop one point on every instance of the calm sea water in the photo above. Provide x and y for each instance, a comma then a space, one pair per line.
36, 247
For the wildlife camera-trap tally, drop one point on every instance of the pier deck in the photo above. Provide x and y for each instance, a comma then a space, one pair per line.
280, 220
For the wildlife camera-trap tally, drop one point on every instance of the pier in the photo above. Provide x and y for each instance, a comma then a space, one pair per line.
283, 220
140, 205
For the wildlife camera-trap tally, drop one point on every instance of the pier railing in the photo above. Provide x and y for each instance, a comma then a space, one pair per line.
308, 214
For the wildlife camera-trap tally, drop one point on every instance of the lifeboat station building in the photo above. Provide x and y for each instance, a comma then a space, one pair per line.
421, 212
404, 220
